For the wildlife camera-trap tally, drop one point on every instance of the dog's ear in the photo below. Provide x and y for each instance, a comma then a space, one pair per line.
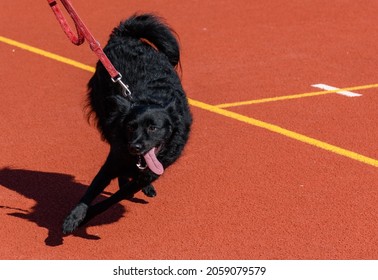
116, 108
117, 104
170, 105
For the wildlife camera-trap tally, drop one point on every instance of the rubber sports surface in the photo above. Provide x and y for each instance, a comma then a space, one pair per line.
275, 168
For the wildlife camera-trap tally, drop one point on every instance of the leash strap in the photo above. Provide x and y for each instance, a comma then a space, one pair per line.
84, 34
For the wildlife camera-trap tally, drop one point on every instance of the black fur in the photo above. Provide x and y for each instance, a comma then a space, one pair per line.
157, 116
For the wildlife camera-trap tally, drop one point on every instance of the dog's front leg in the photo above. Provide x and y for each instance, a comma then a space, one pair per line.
102, 179
149, 190
126, 191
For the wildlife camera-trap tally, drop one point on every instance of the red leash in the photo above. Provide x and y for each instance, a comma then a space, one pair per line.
84, 34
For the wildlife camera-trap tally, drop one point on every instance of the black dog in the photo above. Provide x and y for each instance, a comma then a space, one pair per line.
146, 133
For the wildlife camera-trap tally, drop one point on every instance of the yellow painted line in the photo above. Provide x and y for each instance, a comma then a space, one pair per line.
294, 96
285, 132
225, 113
47, 54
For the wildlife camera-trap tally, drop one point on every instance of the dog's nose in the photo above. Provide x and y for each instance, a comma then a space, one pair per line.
135, 148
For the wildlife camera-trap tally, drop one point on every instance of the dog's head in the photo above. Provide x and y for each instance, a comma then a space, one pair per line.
147, 127
143, 129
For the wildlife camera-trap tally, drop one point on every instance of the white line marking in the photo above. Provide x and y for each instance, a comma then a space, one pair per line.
342, 92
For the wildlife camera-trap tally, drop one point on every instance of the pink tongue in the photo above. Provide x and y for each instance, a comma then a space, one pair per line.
153, 163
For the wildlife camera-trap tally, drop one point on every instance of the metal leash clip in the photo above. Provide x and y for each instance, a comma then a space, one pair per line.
125, 88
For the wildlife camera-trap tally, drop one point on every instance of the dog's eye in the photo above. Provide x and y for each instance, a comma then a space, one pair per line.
131, 128
152, 128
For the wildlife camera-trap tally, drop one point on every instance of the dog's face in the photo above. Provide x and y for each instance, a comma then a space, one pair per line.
147, 128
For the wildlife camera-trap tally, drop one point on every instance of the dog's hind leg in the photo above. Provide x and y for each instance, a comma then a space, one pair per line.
78, 214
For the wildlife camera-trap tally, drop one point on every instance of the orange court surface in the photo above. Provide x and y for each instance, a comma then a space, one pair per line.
283, 155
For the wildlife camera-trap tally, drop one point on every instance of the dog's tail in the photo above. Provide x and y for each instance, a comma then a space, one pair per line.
153, 29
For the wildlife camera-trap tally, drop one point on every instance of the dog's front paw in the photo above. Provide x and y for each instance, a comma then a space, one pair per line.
149, 191
74, 219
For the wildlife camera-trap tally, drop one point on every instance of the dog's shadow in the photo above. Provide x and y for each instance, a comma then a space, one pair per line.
55, 195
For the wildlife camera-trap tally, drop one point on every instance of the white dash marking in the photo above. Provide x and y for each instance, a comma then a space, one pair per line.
342, 92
